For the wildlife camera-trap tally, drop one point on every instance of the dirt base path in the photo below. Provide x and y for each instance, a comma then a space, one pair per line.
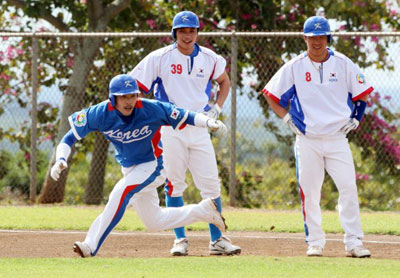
51, 244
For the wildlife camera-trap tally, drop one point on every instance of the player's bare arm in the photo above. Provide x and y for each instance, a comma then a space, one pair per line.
224, 86
276, 107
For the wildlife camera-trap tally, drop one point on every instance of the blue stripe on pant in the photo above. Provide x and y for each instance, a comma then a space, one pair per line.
125, 198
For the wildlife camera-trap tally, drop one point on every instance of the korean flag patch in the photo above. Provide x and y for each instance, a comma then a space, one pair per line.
175, 114
81, 119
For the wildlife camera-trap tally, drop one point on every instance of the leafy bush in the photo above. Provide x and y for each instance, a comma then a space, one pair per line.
15, 172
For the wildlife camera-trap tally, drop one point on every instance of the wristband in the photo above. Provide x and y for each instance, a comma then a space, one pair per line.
359, 109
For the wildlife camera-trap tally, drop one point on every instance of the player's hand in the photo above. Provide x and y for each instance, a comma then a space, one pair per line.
351, 125
57, 169
290, 123
214, 112
217, 126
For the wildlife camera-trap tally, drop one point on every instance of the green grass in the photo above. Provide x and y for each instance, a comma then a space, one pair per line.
239, 266
80, 218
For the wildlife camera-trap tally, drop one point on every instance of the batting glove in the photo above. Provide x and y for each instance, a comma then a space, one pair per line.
217, 126
57, 169
214, 112
352, 124
290, 123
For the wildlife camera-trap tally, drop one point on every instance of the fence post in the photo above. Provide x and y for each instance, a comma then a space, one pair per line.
232, 176
34, 71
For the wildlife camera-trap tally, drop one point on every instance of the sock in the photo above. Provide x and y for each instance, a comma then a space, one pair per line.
176, 202
214, 231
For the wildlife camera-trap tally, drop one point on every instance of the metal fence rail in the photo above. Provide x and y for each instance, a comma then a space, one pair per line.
256, 165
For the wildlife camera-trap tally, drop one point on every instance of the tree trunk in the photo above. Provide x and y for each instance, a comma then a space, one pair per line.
52, 191
95, 186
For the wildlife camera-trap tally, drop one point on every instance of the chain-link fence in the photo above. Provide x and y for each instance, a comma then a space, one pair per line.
45, 77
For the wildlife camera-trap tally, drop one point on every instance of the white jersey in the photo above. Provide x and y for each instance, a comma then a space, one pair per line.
321, 94
184, 80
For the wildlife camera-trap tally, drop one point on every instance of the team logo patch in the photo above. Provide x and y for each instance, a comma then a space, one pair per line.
175, 114
361, 78
200, 72
81, 119
128, 84
317, 26
332, 77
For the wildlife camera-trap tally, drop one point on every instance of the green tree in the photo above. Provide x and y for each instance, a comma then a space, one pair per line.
69, 63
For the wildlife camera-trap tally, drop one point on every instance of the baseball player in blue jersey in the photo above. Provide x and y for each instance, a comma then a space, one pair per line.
181, 74
133, 126
327, 94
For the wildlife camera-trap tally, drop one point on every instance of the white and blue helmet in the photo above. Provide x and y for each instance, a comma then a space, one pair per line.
185, 19
317, 26
122, 84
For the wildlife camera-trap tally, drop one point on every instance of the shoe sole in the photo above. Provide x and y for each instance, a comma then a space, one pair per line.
315, 255
78, 250
219, 253
354, 256
220, 214
178, 254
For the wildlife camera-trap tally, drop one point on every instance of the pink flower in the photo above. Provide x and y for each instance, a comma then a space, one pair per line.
27, 156
246, 16
5, 38
375, 27
388, 97
20, 51
201, 25
84, 2
393, 13
360, 4
5, 76
10, 52
7, 91
342, 27
357, 41
253, 26
282, 17
151, 23
70, 62
375, 39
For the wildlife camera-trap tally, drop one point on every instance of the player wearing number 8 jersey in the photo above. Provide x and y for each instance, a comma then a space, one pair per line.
181, 74
327, 95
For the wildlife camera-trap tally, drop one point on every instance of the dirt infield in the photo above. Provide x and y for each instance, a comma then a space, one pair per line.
51, 244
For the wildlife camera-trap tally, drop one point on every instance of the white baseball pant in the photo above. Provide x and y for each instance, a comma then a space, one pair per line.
190, 148
313, 157
138, 188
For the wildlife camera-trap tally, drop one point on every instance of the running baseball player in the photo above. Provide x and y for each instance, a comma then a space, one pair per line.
133, 126
327, 94
181, 74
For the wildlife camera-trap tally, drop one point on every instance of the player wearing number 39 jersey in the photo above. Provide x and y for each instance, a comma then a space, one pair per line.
181, 74
327, 95
133, 127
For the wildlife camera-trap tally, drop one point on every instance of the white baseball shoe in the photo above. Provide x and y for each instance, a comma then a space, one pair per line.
180, 247
358, 252
216, 217
82, 249
315, 251
224, 246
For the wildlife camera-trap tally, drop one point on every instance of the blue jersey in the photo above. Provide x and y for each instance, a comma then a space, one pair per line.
136, 138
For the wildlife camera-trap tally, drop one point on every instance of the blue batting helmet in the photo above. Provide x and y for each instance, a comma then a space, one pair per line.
122, 84
185, 19
317, 26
